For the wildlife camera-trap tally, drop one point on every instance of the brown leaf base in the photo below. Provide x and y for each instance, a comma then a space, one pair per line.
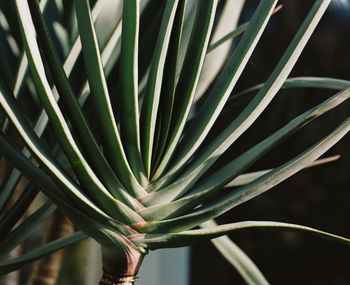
108, 279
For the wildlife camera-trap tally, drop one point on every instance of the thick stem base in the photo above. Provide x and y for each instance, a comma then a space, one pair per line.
108, 279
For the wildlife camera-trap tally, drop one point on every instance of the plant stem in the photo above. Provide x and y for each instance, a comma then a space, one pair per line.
108, 279
120, 265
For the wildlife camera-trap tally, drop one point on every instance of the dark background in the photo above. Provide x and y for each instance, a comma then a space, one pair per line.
318, 197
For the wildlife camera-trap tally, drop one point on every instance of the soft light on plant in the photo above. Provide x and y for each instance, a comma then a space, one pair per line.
136, 173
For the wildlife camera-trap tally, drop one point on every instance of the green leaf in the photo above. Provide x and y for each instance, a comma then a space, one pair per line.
68, 66
7, 56
216, 60
302, 82
75, 114
150, 22
81, 212
151, 99
236, 256
249, 191
187, 30
235, 33
97, 81
109, 56
19, 262
246, 178
248, 116
128, 95
223, 176
21, 232
22, 163
212, 107
189, 77
6, 191
155, 241
18, 209
166, 103
91, 184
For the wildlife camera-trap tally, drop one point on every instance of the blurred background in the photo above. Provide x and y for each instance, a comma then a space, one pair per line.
318, 197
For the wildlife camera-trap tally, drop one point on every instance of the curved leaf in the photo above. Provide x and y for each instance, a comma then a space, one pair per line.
155, 241
234, 255
216, 60
222, 89
184, 184
189, 77
154, 83
302, 82
21, 232
249, 191
18, 209
77, 118
128, 95
91, 184
107, 125
248, 116
166, 103
17, 263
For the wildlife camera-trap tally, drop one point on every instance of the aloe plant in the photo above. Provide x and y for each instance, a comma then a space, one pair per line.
127, 157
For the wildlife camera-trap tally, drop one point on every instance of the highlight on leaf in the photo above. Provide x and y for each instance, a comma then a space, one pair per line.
120, 126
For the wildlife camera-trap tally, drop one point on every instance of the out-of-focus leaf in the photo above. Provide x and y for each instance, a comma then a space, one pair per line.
17, 263
18, 209
215, 61
236, 256
22, 231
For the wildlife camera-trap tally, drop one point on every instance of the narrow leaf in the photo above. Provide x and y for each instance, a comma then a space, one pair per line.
189, 76
222, 89
18, 209
77, 118
236, 256
215, 61
128, 95
166, 103
302, 82
19, 262
97, 81
248, 116
21, 232
151, 100
86, 176
211, 184
246, 178
251, 190
153, 241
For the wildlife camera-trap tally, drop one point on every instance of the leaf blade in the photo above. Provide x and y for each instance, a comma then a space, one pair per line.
17, 263
155, 241
152, 96
97, 81
251, 190
189, 77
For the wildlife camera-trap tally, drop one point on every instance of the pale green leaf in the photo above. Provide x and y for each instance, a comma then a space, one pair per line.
155, 241
19, 262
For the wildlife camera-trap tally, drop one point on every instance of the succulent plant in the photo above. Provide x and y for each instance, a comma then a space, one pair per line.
115, 132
